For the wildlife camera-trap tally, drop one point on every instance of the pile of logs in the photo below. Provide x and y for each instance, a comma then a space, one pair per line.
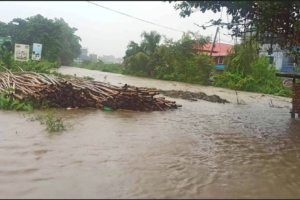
77, 92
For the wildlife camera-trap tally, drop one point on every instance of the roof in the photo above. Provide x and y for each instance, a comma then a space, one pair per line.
219, 49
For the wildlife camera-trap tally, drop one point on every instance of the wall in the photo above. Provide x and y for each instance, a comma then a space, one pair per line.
278, 57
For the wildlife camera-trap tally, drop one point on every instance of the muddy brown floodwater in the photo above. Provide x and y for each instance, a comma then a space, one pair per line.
202, 150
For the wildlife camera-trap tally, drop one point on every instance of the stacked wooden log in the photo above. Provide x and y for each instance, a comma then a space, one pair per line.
296, 98
77, 92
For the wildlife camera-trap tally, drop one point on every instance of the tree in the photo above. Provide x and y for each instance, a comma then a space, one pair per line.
132, 49
58, 39
241, 58
150, 42
141, 57
69, 41
274, 21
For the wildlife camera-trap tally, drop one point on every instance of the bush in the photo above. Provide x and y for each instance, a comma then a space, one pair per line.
7, 60
262, 79
100, 66
6, 57
54, 124
42, 66
8, 102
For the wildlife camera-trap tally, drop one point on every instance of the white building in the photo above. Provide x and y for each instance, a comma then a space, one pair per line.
93, 58
281, 58
119, 60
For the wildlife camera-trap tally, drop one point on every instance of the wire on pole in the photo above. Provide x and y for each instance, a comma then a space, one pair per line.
135, 17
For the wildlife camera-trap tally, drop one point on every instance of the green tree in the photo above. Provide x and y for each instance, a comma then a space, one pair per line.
132, 49
142, 57
279, 19
150, 41
239, 60
58, 39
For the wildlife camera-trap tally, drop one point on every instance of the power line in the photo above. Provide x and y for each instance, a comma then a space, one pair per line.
134, 17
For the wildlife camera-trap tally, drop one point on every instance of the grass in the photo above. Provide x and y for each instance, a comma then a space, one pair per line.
54, 124
8, 102
88, 78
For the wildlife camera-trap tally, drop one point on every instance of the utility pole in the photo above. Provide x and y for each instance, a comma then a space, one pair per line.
212, 48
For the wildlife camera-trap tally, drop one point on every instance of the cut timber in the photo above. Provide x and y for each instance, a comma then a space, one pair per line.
75, 92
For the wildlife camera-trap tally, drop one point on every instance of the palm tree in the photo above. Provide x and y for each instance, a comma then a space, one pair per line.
150, 42
132, 49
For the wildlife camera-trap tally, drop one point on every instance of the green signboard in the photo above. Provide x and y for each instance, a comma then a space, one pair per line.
4, 40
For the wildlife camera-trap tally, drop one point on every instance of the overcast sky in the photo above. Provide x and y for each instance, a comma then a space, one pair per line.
105, 32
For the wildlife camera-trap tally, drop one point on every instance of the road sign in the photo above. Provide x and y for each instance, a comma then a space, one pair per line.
288, 83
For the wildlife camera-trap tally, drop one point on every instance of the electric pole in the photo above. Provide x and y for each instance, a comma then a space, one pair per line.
212, 48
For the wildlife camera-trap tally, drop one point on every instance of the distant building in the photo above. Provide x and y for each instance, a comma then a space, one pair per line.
220, 51
108, 59
83, 56
119, 60
84, 51
93, 58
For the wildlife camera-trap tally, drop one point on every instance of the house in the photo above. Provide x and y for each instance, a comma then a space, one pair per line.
283, 60
220, 51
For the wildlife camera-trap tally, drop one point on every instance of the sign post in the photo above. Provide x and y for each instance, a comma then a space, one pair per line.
288, 83
21, 52
37, 52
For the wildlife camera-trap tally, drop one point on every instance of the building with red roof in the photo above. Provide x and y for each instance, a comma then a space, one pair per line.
219, 53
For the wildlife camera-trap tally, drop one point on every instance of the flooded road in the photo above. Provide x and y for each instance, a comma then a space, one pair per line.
202, 150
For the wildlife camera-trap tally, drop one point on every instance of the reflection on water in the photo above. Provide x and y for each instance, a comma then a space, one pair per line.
202, 150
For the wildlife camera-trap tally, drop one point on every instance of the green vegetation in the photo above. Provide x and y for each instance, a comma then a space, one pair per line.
280, 19
54, 124
88, 78
248, 72
8, 102
101, 66
171, 60
60, 75
7, 62
60, 44
177, 61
